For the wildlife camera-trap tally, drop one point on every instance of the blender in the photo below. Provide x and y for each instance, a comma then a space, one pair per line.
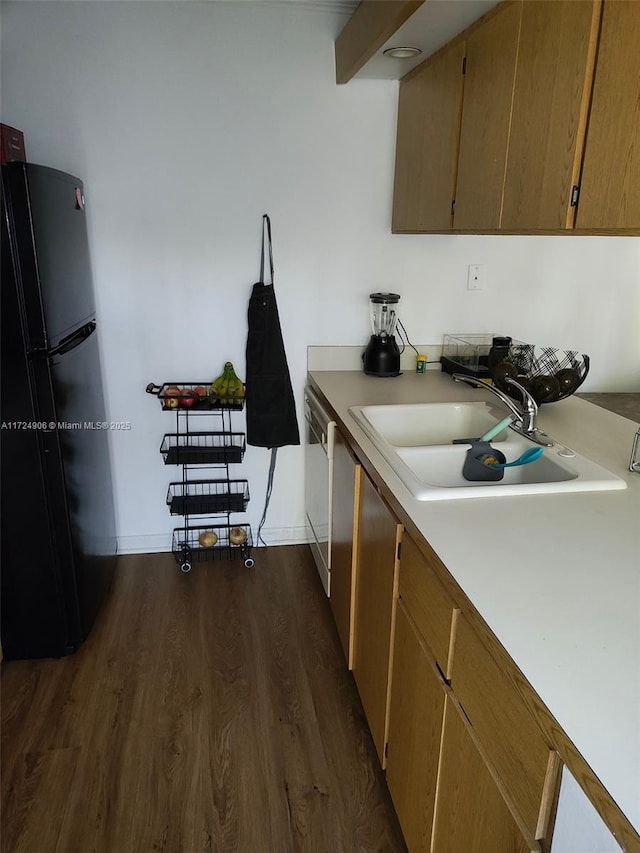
382, 356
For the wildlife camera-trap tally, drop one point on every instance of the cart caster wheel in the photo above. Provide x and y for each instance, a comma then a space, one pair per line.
249, 562
185, 567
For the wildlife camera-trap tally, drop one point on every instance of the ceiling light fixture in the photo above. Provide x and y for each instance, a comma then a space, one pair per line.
402, 52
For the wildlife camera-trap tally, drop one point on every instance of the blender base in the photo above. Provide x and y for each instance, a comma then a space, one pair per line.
382, 356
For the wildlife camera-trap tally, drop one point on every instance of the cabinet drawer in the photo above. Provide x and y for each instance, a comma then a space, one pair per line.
503, 724
427, 601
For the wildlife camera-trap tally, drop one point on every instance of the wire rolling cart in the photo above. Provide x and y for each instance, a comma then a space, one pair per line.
207, 495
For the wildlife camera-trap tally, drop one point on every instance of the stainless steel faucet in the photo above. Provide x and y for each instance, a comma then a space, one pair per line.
634, 462
525, 416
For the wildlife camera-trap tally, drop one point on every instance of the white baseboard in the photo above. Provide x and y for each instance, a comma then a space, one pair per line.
157, 543
150, 543
283, 535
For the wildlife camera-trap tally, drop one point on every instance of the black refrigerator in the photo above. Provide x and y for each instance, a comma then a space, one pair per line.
58, 541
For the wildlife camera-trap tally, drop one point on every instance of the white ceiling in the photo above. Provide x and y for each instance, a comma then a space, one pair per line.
429, 28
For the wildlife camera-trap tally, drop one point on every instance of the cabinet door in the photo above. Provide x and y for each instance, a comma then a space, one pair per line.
486, 114
344, 515
488, 689
429, 605
610, 185
429, 112
554, 74
415, 729
471, 816
378, 538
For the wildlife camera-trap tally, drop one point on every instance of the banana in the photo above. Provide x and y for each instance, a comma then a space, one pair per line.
227, 388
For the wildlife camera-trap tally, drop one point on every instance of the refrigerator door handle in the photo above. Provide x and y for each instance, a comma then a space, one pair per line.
73, 340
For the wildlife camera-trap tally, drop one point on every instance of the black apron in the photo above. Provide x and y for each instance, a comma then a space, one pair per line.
270, 406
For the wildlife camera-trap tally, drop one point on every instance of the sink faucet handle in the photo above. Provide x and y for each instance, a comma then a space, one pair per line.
634, 462
529, 405
524, 414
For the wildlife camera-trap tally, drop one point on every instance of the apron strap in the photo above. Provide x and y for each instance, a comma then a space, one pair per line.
266, 225
267, 499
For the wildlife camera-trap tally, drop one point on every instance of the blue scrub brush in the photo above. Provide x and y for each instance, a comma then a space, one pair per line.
530, 455
493, 432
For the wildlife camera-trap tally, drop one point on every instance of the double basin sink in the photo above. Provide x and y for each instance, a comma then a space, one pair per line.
416, 441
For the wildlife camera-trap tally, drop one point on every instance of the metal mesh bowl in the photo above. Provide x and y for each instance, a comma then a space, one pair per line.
548, 374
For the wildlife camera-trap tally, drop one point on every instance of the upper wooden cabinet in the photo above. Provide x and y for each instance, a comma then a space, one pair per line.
550, 118
610, 188
429, 112
554, 76
490, 70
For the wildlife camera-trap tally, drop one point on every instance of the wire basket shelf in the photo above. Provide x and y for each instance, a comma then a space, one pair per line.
207, 497
194, 396
203, 448
187, 544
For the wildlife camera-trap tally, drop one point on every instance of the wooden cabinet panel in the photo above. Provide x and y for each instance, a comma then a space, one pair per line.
415, 730
610, 184
513, 742
344, 515
554, 75
471, 816
428, 603
429, 113
486, 113
379, 534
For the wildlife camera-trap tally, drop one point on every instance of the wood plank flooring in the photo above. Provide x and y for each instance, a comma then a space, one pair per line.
206, 712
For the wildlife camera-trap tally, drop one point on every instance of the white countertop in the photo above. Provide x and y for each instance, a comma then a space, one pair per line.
556, 577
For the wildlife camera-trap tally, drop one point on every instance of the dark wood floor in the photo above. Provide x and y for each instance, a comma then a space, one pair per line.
206, 712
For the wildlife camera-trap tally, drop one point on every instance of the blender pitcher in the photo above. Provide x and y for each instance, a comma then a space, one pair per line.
382, 356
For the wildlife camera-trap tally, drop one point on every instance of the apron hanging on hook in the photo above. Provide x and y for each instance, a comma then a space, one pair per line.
270, 406
271, 411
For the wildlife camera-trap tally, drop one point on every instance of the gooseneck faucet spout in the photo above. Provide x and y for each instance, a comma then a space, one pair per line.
525, 415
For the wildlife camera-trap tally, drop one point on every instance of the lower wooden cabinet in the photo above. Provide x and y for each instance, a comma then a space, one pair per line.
471, 815
473, 759
444, 794
379, 536
415, 729
503, 724
433, 611
468, 769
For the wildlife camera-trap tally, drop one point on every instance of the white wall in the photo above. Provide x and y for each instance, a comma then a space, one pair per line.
187, 121
578, 827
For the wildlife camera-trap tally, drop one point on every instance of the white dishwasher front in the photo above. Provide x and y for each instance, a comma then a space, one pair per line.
319, 440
